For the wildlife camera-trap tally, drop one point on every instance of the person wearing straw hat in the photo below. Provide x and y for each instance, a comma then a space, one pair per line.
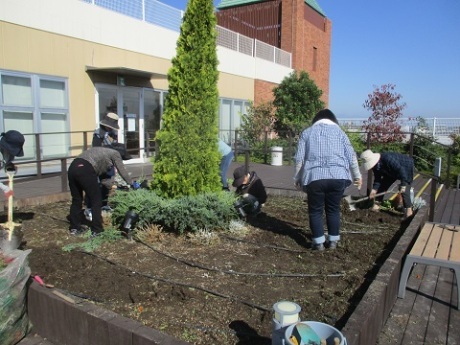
326, 163
387, 168
106, 135
11, 145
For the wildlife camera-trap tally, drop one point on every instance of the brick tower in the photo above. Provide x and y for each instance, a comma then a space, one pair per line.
296, 26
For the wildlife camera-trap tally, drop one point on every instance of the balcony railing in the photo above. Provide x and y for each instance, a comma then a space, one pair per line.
155, 12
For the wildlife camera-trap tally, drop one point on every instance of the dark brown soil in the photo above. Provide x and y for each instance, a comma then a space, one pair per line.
217, 289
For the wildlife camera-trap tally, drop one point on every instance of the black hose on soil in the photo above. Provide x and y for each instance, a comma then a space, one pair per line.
283, 275
215, 293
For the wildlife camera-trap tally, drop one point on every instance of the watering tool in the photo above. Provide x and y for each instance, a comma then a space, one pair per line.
351, 202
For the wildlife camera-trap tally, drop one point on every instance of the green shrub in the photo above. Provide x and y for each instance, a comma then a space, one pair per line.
357, 141
209, 211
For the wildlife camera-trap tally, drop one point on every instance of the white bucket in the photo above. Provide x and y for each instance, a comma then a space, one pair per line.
277, 156
323, 330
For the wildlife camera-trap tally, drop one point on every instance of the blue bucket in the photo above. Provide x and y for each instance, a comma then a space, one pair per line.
323, 330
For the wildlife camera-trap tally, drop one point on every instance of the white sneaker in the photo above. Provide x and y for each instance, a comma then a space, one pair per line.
88, 214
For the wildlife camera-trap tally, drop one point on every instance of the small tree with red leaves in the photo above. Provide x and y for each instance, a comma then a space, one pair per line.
386, 107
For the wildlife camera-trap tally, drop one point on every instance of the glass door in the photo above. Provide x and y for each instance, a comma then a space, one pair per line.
125, 102
133, 105
152, 116
129, 103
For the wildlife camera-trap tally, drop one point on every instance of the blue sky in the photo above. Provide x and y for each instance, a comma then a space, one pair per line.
413, 44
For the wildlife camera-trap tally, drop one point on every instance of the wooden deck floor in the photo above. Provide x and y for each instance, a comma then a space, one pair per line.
428, 314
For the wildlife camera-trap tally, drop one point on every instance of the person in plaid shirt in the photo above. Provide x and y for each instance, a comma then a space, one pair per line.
326, 163
387, 168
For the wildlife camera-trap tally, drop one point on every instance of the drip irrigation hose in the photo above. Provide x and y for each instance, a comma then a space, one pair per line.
215, 293
279, 275
263, 245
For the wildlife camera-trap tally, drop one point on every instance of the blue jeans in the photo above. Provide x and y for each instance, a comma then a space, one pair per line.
223, 168
325, 195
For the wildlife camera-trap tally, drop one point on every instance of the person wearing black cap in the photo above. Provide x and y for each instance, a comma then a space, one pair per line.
251, 190
11, 145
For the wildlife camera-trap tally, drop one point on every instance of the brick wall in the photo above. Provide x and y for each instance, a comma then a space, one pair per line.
307, 35
263, 91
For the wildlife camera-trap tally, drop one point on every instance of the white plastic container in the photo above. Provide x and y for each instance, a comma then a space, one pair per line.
277, 156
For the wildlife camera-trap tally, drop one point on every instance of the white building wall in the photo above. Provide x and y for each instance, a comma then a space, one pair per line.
84, 21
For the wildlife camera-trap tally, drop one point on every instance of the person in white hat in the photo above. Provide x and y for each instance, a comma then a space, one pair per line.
388, 168
326, 164
106, 135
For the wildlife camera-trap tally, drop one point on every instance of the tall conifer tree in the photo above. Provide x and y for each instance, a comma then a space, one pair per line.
188, 159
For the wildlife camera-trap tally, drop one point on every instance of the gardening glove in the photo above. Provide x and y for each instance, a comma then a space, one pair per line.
135, 185
9, 193
402, 189
372, 194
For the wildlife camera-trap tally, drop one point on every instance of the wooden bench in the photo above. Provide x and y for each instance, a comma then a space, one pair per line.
437, 244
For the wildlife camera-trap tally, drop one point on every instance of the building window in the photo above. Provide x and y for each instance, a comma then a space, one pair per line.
31, 103
230, 114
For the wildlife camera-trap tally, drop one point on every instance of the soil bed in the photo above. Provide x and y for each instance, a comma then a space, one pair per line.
217, 289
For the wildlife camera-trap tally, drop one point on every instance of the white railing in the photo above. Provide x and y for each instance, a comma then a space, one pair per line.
439, 128
233, 40
155, 12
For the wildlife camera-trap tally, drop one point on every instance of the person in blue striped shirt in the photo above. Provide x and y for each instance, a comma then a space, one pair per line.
326, 164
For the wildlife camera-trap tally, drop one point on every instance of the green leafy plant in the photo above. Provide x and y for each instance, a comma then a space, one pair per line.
297, 100
257, 122
357, 141
187, 162
210, 211
90, 244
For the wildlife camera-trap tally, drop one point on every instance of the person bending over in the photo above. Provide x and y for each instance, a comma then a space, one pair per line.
251, 191
387, 168
83, 175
